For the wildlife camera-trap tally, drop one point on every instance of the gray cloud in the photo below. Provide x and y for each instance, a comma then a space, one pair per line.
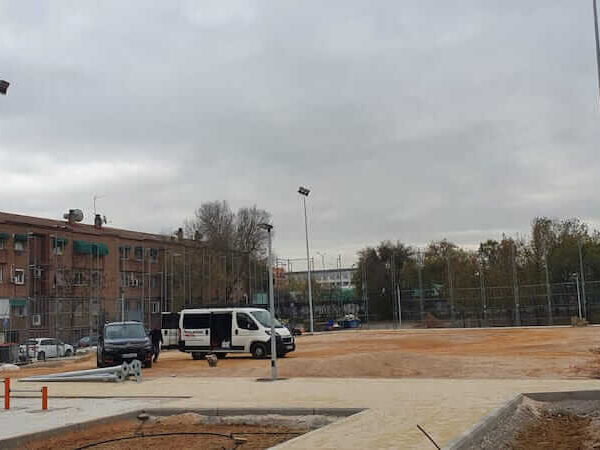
411, 120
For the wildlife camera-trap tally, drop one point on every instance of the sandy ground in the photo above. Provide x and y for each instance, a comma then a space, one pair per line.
448, 353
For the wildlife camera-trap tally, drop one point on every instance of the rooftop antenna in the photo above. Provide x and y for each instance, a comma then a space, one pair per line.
96, 197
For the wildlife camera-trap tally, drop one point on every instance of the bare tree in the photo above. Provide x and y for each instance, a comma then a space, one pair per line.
214, 224
249, 237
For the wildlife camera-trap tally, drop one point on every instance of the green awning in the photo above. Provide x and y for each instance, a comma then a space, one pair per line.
18, 302
20, 238
59, 241
4, 236
90, 248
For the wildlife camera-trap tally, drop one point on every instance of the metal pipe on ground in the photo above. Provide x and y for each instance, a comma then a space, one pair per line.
77, 373
91, 378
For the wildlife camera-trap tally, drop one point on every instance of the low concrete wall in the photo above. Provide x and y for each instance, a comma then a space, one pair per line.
474, 435
482, 428
20, 441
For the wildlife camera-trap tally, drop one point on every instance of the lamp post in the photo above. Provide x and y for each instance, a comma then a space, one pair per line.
268, 228
304, 193
576, 277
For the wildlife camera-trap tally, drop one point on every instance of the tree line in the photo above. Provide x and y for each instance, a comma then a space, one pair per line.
551, 253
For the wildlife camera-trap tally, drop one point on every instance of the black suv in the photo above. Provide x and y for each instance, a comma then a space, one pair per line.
124, 341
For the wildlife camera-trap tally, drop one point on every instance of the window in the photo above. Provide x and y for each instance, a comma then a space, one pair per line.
155, 281
78, 279
124, 331
1, 244
196, 321
139, 253
19, 246
155, 307
153, 254
244, 322
18, 311
1, 273
96, 279
124, 279
124, 252
19, 276
58, 245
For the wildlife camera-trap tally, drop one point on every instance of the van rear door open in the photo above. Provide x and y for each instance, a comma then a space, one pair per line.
196, 331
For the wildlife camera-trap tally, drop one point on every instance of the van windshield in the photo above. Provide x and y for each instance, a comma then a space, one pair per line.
264, 317
125, 331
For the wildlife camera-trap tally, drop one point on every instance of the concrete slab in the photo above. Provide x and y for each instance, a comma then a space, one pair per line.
445, 408
26, 415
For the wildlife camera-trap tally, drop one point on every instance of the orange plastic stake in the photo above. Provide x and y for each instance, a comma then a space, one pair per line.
7, 393
45, 397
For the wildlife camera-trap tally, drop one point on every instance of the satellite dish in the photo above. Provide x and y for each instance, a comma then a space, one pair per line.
74, 215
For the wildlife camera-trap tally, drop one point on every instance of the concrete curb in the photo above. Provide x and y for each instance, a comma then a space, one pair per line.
483, 427
20, 441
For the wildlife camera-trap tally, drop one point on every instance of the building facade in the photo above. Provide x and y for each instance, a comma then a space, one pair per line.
327, 278
64, 278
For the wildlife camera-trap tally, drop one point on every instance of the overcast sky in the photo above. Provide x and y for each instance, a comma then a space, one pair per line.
409, 119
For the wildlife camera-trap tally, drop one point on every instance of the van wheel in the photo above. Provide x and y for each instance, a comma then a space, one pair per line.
258, 351
68, 353
198, 355
41, 356
221, 355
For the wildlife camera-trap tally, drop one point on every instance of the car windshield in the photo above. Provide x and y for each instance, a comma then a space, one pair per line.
264, 317
125, 331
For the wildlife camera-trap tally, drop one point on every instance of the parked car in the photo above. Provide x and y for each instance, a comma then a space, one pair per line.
123, 341
43, 348
88, 341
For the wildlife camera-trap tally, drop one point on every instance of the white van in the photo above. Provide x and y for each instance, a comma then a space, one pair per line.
231, 330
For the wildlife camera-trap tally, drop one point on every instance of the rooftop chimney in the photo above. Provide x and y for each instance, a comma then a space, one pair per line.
98, 221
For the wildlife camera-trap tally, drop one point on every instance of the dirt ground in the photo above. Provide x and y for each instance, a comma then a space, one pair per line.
556, 431
449, 353
133, 434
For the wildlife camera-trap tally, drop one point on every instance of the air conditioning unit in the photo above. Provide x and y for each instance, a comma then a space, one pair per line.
36, 320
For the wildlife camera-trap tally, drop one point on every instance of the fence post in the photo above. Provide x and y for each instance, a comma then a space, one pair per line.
7, 393
45, 398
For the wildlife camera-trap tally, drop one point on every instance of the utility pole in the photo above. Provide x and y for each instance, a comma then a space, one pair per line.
584, 298
515, 284
548, 291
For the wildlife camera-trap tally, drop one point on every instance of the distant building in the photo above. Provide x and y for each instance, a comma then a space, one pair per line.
327, 278
64, 279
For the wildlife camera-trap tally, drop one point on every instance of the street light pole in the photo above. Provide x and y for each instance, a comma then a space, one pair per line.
597, 40
576, 276
304, 192
268, 228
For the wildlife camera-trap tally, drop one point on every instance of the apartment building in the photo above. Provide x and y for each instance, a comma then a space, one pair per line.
65, 278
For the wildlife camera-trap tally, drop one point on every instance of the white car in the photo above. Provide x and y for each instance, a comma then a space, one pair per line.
42, 348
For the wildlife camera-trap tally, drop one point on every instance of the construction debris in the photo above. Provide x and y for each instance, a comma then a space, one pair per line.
212, 360
120, 373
